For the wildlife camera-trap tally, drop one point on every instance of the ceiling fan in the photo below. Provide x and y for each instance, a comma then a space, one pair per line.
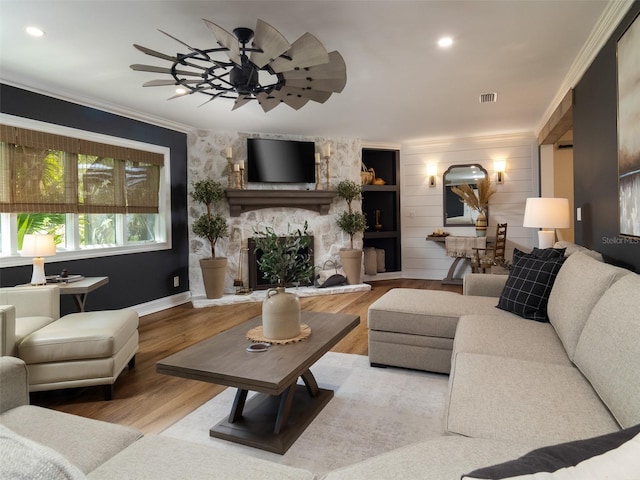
269, 70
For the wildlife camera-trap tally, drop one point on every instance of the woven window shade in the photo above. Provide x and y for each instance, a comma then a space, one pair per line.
48, 173
142, 185
41, 181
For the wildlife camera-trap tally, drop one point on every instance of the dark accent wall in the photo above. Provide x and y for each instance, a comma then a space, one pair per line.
133, 278
595, 151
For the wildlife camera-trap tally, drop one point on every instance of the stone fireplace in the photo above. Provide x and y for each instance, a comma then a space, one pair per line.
206, 153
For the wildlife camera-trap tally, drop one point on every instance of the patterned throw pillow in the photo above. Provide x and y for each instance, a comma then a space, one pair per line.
526, 292
544, 253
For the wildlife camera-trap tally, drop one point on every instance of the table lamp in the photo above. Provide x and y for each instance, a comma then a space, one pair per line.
38, 246
547, 214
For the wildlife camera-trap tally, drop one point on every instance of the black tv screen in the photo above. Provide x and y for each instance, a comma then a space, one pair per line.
280, 161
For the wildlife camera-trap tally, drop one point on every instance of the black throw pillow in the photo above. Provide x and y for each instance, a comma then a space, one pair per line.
526, 292
604, 453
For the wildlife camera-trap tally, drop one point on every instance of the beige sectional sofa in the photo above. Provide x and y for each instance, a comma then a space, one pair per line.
515, 385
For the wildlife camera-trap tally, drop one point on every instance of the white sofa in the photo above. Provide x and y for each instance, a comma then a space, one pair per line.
78, 350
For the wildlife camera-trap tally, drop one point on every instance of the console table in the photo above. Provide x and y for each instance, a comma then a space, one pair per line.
450, 279
81, 289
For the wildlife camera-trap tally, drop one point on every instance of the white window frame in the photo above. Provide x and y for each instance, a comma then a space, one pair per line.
9, 257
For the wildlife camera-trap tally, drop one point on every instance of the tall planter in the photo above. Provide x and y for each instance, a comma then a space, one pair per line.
351, 264
213, 275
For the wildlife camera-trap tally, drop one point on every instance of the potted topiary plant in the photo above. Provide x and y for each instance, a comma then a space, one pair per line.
283, 260
211, 226
351, 222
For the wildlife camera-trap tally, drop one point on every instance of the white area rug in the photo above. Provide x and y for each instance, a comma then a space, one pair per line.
374, 410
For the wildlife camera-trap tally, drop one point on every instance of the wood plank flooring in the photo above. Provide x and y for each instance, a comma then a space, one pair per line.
151, 402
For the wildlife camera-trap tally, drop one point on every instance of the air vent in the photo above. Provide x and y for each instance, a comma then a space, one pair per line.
489, 97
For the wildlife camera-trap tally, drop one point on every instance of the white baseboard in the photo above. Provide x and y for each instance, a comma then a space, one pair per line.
162, 304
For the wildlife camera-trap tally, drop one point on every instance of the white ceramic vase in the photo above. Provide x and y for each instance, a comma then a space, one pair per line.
280, 315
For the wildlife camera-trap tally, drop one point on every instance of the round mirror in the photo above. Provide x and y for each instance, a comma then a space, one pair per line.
456, 212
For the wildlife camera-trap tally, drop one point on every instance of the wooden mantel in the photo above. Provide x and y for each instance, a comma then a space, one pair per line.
245, 200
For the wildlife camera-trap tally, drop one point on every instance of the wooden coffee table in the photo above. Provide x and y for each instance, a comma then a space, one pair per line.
274, 418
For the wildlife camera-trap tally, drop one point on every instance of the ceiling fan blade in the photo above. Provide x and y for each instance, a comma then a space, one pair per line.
334, 70
226, 40
315, 95
162, 83
270, 41
326, 85
153, 53
294, 100
154, 69
267, 101
178, 40
240, 101
305, 52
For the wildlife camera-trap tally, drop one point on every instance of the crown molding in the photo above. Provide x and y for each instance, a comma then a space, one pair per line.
105, 107
602, 31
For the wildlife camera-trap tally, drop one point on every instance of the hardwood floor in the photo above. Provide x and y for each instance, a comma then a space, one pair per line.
151, 402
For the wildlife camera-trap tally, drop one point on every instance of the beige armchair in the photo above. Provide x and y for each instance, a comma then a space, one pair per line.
77, 350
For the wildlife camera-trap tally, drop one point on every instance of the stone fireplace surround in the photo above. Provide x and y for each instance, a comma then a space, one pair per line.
206, 157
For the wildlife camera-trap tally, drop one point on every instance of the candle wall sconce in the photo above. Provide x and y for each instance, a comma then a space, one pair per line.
229, 155
327, 155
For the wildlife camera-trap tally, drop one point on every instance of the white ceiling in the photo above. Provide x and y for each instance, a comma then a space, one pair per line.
400, 85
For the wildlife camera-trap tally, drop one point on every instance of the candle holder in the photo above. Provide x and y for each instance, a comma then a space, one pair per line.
326, 161
327, 155
318, 175
243, 185
236, 179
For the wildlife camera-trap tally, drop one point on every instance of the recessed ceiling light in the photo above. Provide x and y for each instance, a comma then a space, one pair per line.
181, 91
445, 42
34, 31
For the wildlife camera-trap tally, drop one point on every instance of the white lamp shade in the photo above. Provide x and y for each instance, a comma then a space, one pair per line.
544, 212
38, 245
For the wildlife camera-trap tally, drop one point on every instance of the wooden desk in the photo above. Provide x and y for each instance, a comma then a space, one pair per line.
450, 279
81, 289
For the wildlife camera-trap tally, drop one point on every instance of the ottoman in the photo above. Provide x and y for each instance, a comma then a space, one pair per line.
413, 328
81, 349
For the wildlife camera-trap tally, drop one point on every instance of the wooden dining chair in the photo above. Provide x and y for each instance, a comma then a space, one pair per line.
484, 258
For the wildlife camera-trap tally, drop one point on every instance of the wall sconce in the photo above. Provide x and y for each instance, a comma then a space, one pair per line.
500, 166
432, 171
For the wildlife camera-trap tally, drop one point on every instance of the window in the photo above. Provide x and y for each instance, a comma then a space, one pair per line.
97, 195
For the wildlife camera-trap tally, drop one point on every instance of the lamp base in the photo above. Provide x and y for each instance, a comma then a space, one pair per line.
546, 238
38, 276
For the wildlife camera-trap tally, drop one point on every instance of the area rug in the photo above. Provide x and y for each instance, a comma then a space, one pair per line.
374, 410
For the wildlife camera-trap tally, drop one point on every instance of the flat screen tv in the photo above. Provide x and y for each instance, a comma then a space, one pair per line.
280, 161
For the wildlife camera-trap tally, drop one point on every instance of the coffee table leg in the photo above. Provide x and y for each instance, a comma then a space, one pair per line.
238, 405
310, 381
284, 409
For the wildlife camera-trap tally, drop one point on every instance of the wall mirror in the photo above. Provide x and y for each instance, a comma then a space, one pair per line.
456, 212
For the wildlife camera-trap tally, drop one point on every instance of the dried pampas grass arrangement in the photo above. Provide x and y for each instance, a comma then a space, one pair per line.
478, 202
